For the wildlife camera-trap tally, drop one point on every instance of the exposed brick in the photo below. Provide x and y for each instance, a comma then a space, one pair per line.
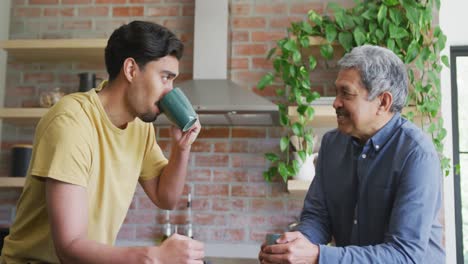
270, 9
240, 63
198, 175
144, 202
284, 22
69, 2
77, 25
229, 234
201, 204
201, 233
43, 2
214, 132
247, 161
163, 11
261, 205
127, 11
148, 232
188, 10
303, 8
258, 220
268, 91
295, 205
110, 1
66, 12
251, 190
27, 12
22, 91
140, 217
248, 22
262, 63
93, 11
250, 49
248, 132
201, 146
240, 9
41, 77
230, 176
238, 220
211, 160
239, 36
248, 77
211, 189
127, 232
182, 23
262, 36
222, 147
145, 1
209, 219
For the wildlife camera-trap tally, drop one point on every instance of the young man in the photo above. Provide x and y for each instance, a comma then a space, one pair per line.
377, 189
90, 151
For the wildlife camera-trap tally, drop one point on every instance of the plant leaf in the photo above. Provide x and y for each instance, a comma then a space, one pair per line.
330, 33
284, 143
397, 32
359, 36
445, 60
267, 79
312, 62
314, 17
326, 51
273, 157
346, 40
297, 129
382, 13
270, 53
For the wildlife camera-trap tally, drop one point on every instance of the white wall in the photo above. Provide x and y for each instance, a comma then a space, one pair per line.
453, 20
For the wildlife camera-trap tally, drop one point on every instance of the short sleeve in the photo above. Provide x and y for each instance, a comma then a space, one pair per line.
62, 151
154, 160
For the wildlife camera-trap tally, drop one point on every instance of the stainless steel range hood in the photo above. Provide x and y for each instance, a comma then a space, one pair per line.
217, 100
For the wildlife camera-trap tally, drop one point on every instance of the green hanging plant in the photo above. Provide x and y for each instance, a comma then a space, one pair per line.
403, 26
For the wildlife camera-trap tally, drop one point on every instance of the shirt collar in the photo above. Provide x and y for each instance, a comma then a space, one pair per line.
383, 135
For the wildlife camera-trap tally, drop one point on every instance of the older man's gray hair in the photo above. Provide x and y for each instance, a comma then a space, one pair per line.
381, 71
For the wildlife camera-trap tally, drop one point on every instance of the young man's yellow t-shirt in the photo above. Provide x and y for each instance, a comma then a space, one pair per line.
76, 143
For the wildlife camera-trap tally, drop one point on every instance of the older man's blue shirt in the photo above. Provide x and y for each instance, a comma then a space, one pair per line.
379, 201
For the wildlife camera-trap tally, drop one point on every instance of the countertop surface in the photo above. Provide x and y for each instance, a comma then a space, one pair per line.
217, 260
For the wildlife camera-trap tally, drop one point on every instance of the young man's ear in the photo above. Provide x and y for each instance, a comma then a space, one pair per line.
386, 102
130, 67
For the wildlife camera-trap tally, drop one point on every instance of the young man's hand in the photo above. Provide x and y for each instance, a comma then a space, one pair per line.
185, 139
179, 249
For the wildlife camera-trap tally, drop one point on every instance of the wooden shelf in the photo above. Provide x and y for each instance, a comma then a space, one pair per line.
22, 116
12, 182
53, 50
298, 187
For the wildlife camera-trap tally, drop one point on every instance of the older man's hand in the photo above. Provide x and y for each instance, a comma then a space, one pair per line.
292, 248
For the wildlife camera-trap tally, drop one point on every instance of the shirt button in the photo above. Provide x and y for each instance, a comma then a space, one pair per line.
363, 156
377, 146
355, 221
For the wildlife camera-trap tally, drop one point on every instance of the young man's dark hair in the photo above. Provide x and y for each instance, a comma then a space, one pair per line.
142, 41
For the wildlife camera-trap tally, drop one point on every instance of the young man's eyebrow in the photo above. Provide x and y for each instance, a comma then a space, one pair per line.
171, 74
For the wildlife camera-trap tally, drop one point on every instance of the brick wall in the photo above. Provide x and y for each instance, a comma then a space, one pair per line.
231, 202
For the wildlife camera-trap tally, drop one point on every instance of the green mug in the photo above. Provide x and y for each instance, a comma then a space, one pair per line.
178, 109
271, 238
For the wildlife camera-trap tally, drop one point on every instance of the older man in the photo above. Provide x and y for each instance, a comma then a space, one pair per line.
377, 189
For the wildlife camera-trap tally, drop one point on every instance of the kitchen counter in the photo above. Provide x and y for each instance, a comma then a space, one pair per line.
216, 260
